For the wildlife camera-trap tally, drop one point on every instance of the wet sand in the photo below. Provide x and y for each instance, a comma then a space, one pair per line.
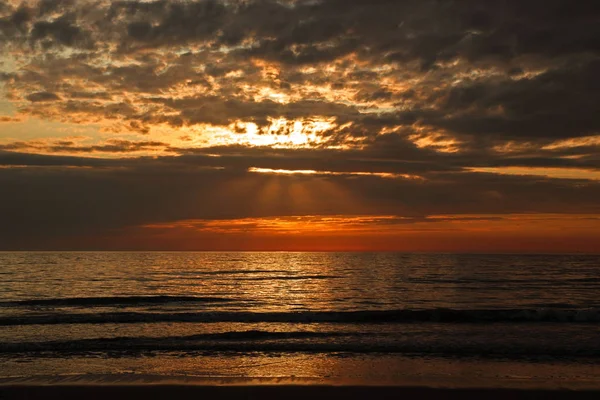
132, 386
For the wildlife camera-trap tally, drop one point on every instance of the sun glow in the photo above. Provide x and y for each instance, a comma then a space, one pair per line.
388, 175
278, 133
283, 171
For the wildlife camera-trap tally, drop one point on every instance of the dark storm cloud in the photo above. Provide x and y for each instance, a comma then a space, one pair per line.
61, 31
38, 23
14, 22
562, 102
427, 31
387, 158
12, 158
42, 96
423, 30
175, 22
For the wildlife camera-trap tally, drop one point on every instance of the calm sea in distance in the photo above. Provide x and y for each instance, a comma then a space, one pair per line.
433, 319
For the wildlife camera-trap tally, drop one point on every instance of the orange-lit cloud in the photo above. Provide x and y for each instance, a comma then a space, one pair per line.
561, 173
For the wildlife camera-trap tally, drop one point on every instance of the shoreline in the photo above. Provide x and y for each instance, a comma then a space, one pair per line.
276, 391
425, 381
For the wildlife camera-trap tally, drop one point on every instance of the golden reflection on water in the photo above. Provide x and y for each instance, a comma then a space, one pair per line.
295, 281
260, 282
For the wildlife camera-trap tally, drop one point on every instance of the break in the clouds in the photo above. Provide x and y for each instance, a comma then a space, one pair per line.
117, 116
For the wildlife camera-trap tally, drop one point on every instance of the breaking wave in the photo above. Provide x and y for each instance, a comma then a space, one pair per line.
589, 315
300, 341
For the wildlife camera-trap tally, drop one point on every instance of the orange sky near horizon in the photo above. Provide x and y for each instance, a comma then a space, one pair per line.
482, 234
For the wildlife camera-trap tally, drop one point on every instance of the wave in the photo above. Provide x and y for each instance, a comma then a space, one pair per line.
119, 300
299, 341
589, 316
239, 272
170, 342
289, 278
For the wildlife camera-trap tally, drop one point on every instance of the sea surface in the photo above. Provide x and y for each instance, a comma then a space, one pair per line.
432, 319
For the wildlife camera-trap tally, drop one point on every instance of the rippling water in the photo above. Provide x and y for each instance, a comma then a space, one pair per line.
102, 307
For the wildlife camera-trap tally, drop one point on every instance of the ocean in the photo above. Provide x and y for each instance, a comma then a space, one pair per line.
432, 319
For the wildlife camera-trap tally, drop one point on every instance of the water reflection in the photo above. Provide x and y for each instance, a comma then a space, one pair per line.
306, 281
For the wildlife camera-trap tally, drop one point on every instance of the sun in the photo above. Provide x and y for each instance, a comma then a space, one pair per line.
279, 133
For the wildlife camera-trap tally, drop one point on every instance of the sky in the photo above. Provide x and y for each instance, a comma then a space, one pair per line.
413, 125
